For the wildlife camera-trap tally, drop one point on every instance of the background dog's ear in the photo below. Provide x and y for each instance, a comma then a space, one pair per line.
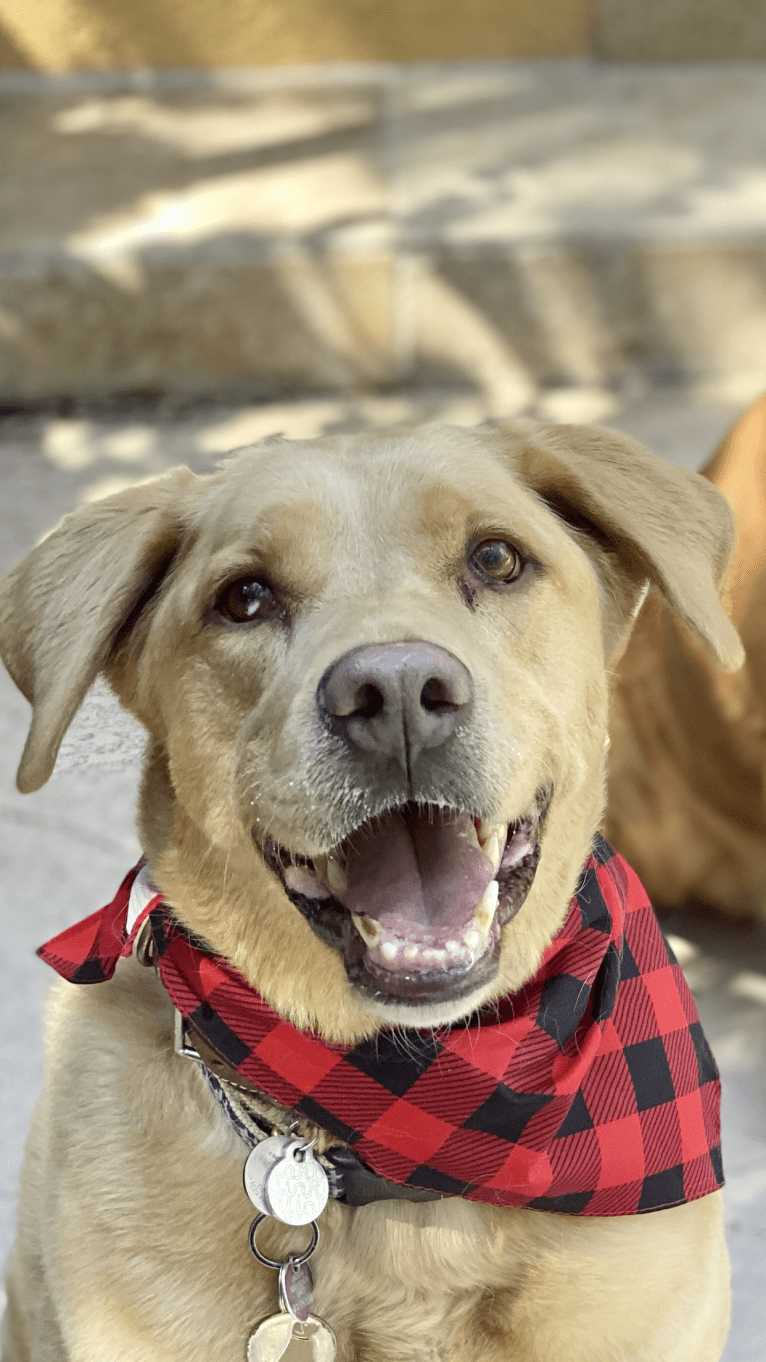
61, 609
667, 526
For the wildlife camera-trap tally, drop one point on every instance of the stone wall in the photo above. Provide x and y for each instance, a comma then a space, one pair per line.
67, 35
70, 35
680, 30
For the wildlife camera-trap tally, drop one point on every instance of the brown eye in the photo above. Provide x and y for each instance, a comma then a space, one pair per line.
247, 600
497, 560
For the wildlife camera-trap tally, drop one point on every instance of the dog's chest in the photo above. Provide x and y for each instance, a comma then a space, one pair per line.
165, 1245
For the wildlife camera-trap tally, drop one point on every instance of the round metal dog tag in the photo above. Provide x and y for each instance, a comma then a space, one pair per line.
280, 1338
283, 1179
259, 1164
297, 1188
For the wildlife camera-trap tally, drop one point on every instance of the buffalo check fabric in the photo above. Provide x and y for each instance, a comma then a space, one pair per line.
591, 1091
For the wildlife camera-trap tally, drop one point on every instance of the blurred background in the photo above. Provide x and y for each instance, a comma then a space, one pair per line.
218, 222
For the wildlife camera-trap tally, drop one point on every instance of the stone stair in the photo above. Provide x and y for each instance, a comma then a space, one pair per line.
512, 229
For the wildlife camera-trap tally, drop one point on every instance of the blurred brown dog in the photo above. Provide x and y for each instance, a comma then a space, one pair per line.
687, 799
229, 613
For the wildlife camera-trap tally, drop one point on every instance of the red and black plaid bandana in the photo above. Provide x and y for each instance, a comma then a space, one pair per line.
590, 1091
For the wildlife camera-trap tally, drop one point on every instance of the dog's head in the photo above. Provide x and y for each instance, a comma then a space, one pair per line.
374, 671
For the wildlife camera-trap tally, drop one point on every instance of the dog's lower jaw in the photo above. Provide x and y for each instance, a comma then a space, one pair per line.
430, 1015
414, 968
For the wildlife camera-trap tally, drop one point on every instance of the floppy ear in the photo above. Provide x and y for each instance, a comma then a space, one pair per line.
61, 609
668, 527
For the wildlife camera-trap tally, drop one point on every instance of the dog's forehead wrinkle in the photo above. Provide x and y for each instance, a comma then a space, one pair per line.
300, 520
352, 477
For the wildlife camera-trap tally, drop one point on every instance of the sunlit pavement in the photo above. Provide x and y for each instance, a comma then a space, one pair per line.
65, 849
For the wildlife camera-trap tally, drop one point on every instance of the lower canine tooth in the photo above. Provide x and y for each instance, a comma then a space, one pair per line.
486, 908
369, 930
336, 877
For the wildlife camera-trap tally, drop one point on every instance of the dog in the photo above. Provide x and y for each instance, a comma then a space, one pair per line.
374, 671
688, 752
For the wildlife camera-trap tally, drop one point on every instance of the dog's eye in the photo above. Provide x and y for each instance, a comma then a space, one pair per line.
497, 560
246, 600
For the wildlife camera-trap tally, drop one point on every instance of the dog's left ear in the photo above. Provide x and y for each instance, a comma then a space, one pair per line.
666, 526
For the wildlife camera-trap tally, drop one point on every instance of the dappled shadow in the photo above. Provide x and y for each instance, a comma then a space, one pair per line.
73, 161
492, 226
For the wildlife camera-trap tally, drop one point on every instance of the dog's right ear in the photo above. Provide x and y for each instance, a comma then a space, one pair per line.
61, 609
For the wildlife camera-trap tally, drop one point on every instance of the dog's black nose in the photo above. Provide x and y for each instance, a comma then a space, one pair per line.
394, 699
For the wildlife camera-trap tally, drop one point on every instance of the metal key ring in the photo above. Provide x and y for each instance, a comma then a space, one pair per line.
307, 1144
297, 1259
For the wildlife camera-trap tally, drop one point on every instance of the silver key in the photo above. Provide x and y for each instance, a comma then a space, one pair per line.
280, 1338
284, 1180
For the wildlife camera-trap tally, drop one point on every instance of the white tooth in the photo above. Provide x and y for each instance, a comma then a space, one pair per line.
368, 928
472, 938
486, 830
336, 877
454, 948
493, 848
411, 952
389, 950
486, 908
434, 953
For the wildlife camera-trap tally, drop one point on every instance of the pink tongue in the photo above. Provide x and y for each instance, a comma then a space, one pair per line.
419, 878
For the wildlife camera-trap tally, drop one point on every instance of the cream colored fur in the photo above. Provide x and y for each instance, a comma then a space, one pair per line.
133, 1223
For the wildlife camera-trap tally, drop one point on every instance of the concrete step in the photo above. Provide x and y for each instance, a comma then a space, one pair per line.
506, 226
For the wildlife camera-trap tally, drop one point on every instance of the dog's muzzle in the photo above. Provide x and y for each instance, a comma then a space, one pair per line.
415, 897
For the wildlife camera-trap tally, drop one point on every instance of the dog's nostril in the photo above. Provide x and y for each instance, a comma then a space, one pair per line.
436, 698
362, 701
369, 702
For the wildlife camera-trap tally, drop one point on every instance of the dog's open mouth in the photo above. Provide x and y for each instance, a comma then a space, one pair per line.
416, 898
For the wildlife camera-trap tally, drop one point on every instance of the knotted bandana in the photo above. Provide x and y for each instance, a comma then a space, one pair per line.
590, 1091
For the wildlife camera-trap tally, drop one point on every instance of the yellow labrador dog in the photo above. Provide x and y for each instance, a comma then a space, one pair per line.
375, 672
